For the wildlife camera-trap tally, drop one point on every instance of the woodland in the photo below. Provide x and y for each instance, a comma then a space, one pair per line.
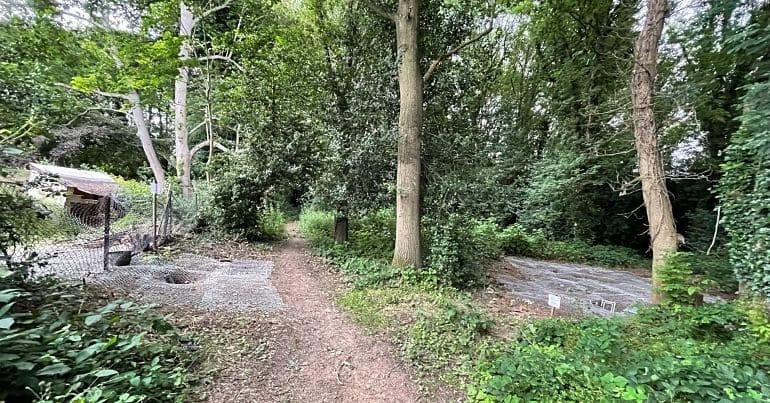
415, 142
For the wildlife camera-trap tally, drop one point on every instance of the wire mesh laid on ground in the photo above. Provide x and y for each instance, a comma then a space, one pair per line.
196, 281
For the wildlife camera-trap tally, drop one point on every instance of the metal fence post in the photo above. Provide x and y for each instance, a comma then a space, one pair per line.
155, 221
107, 206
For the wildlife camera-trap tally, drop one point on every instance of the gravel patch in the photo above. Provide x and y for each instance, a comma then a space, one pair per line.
582, 289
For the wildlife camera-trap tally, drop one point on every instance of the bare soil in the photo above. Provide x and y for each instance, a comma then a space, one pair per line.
309, 351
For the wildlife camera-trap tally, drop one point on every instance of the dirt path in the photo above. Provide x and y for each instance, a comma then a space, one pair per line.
309, 351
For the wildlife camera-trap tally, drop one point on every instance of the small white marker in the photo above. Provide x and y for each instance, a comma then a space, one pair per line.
554, 301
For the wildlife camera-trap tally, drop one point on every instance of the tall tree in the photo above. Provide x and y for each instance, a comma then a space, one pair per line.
183, 153
662, 230
411, 78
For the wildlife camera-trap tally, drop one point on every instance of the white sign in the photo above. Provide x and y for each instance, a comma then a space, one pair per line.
554, 301
154, 188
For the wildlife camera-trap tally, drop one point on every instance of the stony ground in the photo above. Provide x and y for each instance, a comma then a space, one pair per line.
582, 288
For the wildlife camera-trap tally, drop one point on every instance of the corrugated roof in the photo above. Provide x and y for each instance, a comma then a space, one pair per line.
97, 183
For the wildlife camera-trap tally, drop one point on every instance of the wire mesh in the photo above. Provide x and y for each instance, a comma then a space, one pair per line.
89, 236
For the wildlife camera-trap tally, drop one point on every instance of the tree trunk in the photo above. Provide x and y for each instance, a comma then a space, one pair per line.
660, 218
340, 229
407, 251
181, 134
144, 137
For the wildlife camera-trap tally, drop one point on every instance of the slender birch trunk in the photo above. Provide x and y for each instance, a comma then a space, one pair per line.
137, 114
181, 133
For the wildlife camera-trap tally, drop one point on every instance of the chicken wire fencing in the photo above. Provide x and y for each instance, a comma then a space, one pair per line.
93, 236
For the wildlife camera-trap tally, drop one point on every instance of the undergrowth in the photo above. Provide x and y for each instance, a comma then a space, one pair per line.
665, 353
53, 349
674, 352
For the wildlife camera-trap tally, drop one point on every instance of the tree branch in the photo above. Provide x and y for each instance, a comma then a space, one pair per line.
436, 62
213, 10
203, 144
380, 11
85, 112
97, 92
87, 20
222, 57
196, 128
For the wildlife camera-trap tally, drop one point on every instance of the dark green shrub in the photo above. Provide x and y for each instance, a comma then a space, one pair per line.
515, 240
273, 222
458, 248
317, 226
716, 268
238, 203
118, 352
566, 251
445, 336
616, 256
680, 285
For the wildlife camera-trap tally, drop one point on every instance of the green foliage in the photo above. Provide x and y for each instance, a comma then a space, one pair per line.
116, 352
54, 346
458, 248
439, 329
373, 235
695, 354
715, 270
239, 206
515, 240
19, 220
758, 315
316, 226
273, 223
136, 196
679, 285
445, 336
745, 192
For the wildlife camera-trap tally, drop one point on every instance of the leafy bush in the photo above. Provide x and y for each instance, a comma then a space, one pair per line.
272, 223
447, 335
118, 352
238, 204
679, 284
716, 268
745, 191
514, 240
135, 195
458, 248
317, 226
52, 349
698, 354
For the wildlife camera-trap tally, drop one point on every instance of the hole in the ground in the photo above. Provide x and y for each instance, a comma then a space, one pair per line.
180, 277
